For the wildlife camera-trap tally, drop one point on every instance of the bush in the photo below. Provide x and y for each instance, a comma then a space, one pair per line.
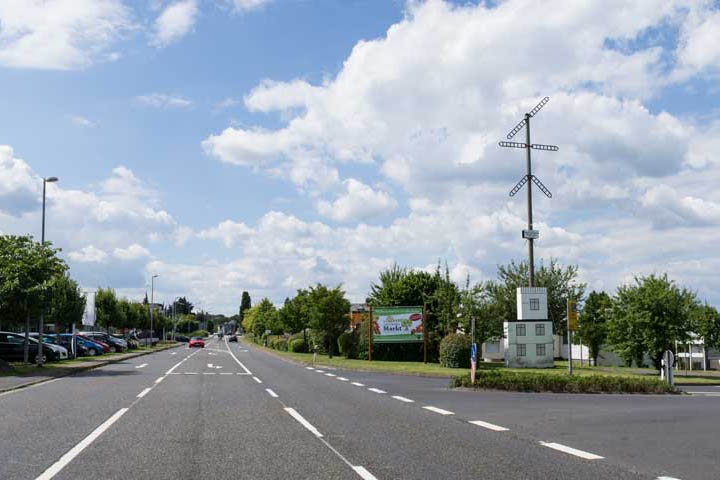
296, 345
348, 344
318, 338
562, 383
455, 351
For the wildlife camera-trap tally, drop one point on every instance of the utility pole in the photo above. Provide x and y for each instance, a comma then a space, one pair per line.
152, 297
41, 323
530, 235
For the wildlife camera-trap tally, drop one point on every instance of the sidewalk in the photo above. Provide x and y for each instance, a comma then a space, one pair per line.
39, 375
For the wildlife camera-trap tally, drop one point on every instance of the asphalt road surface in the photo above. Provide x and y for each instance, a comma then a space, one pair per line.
230, 411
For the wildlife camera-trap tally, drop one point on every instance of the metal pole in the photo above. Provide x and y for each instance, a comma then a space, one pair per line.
41, 325
570, 365
531, 273
424, 325
152, 295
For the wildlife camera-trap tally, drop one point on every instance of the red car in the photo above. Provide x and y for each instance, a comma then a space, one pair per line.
196, 342
105, 346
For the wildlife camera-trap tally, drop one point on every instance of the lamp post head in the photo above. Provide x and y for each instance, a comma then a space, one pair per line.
50, 179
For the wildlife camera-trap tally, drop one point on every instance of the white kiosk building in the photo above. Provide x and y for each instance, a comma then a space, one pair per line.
529, 340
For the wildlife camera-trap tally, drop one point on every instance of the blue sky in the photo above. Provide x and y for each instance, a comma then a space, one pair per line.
263, 145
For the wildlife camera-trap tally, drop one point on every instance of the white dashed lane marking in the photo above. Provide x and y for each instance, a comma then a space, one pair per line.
142, 366
159, 379
489, 426
303, 422
358, 384
257, 379
571, 451
439, 410
144, 392
342, 379
271, 393
403, 399
330, 375
377, 390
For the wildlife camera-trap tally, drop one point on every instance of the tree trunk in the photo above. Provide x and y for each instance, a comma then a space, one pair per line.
330, 346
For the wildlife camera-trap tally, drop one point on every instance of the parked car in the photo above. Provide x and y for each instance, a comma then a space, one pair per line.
12, 348
64, 342
84, 347
196, 342
182, 338
105, 346
116, 344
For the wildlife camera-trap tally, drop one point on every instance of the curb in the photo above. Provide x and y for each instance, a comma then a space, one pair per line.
73, 371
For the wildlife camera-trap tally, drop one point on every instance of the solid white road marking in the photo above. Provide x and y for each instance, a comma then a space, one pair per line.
439, 410
330, 375
489, 426
571, 451
142, 366
236, 359
257, 379
208, 373
56, 467
364, 474
377, 390
667, 478
272, 394
358, 384
403, 399
303, 422
705, 394
225, 373
144, 392
159, 379
343, 379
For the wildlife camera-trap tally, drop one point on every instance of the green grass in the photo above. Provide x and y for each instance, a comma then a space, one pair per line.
435, 369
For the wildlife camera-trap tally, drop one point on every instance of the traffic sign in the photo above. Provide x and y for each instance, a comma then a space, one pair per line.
531, 234
572, 314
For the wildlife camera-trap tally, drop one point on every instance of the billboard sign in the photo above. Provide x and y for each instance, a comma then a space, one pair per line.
397, 324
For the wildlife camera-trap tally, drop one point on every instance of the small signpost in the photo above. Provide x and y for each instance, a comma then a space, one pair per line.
473, 362
572, 323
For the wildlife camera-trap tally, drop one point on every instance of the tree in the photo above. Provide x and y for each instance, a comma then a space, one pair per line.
328, 313
294, 314
27, 272
108, 312
265, 318
67, 302
593, 322
245, 305
561, 283
476, 302
183, 306
446, 298
705, 322
650, 316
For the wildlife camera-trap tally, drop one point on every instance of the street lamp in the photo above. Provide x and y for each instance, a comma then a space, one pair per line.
41, 326
152, 297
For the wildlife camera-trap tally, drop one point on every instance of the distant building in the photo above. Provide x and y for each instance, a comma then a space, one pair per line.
358, 313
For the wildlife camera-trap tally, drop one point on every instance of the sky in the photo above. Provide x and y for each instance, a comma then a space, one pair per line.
267, 145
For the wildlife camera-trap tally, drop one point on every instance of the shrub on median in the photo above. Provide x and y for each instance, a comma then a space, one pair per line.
561, 383
296, 345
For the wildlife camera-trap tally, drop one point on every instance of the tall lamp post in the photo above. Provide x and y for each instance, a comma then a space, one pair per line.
41, 323
152, 297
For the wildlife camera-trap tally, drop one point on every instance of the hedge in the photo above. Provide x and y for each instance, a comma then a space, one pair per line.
348, 344
561, 383
455, 351
296, 345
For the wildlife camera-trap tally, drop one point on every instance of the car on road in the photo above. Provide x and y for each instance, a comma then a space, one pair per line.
196, 342
232, 338
182, 338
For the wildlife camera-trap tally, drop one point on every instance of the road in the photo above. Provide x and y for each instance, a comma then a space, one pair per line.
232, 411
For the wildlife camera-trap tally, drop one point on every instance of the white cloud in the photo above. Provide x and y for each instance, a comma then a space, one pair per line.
247, 5
228, 232
81, 121
161, 100
669, 209
181, 235
175, 21
88, 254
359, 202
60, 34
19, 185
132, 252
